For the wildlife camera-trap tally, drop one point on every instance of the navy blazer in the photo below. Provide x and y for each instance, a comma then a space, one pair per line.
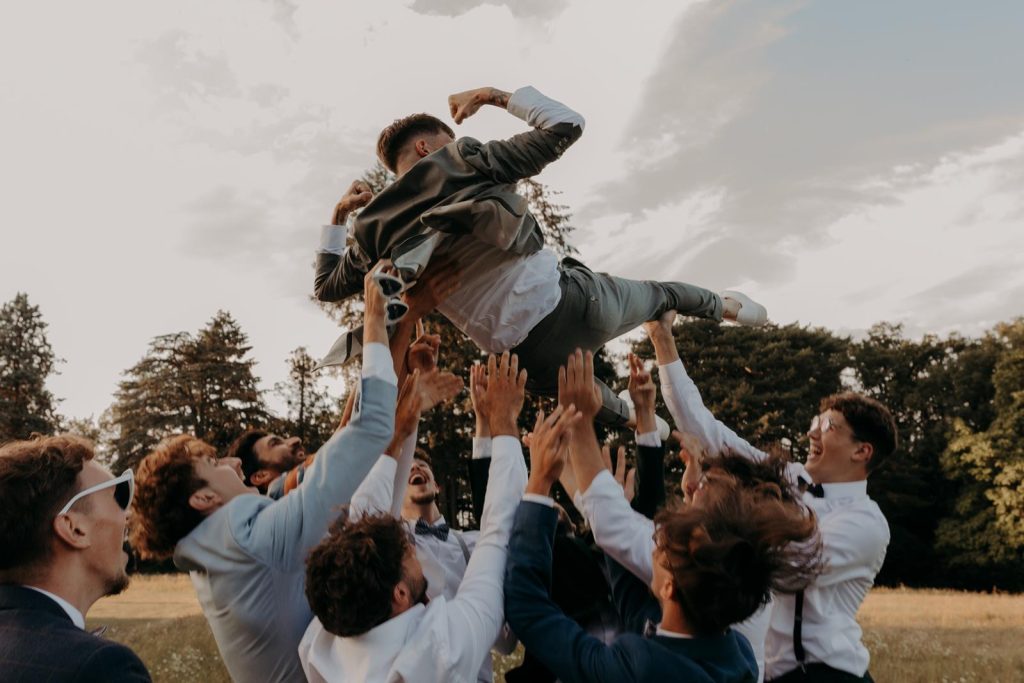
564, 648
40, 644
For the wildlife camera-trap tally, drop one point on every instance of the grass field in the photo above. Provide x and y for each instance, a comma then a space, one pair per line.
915, 636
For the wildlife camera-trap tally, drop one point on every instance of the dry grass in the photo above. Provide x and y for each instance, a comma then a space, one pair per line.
915, 636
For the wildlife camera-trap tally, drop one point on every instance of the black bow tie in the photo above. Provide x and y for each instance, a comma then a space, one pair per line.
816, 490
438, 530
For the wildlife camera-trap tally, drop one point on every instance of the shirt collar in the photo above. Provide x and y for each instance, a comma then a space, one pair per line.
672, 634
72, 611
846, 489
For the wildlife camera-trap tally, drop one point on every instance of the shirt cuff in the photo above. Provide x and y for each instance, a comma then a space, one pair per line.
539, 499
539, 111
481, 447
603, 484
332, 239
377, 363
648, 439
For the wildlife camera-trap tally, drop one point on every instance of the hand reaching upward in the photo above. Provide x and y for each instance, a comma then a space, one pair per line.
549, 448
503, 398
576, 385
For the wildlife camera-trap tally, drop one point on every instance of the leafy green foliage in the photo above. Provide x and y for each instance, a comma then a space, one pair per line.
26, 360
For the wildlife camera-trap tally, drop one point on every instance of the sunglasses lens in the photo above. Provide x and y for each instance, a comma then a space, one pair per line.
389, 284
123, 494
397, 310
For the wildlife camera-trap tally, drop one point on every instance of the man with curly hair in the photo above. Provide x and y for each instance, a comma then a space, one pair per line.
245, 552
62, 528
813, 635
374, 621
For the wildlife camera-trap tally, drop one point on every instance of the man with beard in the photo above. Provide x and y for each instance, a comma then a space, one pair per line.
269, 461
374, 621
62, 528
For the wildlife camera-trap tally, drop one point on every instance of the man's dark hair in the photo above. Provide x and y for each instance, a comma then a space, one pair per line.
420, 454
393, 138
37, 478
164, 482
243, 448
351, 576
870, 421
728, 555
765, 477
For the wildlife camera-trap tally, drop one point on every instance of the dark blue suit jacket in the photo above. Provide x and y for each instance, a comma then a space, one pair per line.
40, 644
564, 648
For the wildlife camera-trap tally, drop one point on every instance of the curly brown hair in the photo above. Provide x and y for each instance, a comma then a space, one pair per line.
393, 138
37, 477
870, 421
352, 574
727, 556
765, 477
164, 482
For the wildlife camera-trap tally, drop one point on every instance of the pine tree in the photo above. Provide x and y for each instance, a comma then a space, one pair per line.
200, 384
312, 415
26, 360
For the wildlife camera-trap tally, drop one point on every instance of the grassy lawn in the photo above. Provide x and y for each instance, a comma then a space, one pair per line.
915, 636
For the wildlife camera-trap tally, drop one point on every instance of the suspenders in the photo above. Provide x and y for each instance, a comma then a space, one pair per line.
798, 623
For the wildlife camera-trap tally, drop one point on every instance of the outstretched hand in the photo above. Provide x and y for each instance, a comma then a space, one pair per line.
625, 476
464, 104
477, 388
375, 314
643, 392
423, 352
576, 385
503, 398
549, 448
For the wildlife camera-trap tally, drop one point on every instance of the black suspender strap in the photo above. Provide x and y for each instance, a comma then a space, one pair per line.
798, 623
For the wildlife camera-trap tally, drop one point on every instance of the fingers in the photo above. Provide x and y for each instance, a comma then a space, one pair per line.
606, 457
420, 330
521, 380
562, 385
492, 367
620, 464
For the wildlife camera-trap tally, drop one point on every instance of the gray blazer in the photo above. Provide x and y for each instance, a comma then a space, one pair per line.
247, 560
466, 187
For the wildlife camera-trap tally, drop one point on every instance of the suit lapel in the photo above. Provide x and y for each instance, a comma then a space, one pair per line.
18, 597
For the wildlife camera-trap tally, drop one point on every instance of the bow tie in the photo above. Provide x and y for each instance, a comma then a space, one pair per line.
816, 490
438, 530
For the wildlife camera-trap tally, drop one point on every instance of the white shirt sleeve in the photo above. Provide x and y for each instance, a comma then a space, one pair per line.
621, 532
853, 546
539, 111
481, 447
375, 493
377, 363
648, 439
332, 239
691, 415
476, 614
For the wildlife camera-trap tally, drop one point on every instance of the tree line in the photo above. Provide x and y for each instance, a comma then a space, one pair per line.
953, 494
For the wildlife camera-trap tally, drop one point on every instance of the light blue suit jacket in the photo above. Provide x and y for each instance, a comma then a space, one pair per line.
247, 560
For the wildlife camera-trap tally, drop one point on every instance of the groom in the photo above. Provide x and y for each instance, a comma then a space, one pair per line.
457, 198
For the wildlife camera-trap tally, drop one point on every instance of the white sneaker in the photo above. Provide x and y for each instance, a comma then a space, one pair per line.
751, 313
664, 431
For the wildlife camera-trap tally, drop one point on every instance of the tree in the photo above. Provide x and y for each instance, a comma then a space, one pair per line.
312, 415
26, 360
983, 540
201, 384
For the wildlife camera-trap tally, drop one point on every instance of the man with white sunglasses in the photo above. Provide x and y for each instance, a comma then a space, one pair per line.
62, 528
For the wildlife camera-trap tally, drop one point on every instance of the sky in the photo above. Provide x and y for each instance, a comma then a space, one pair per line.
843, 163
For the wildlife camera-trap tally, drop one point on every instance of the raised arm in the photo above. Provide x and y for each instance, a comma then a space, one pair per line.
340, 269
650, 451
475, 613
683, 398
555, 127
284, 532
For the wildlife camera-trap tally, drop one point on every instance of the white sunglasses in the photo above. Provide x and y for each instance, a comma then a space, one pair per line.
124, 491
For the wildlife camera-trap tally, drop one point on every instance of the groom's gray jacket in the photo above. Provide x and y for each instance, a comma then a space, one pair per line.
466, 187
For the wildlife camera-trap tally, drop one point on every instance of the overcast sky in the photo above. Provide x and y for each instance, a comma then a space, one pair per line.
845, 163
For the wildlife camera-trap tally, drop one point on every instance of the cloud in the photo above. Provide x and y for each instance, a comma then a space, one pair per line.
790, 109
520, 9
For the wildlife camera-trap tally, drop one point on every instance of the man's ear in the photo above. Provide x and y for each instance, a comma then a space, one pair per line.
261, 478
422, 148
666, 590
401, 598
72, 530
205, 500
863, 453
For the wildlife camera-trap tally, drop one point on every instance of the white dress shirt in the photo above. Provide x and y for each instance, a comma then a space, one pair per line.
446, 640
502, 295
854, 535
627, 537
